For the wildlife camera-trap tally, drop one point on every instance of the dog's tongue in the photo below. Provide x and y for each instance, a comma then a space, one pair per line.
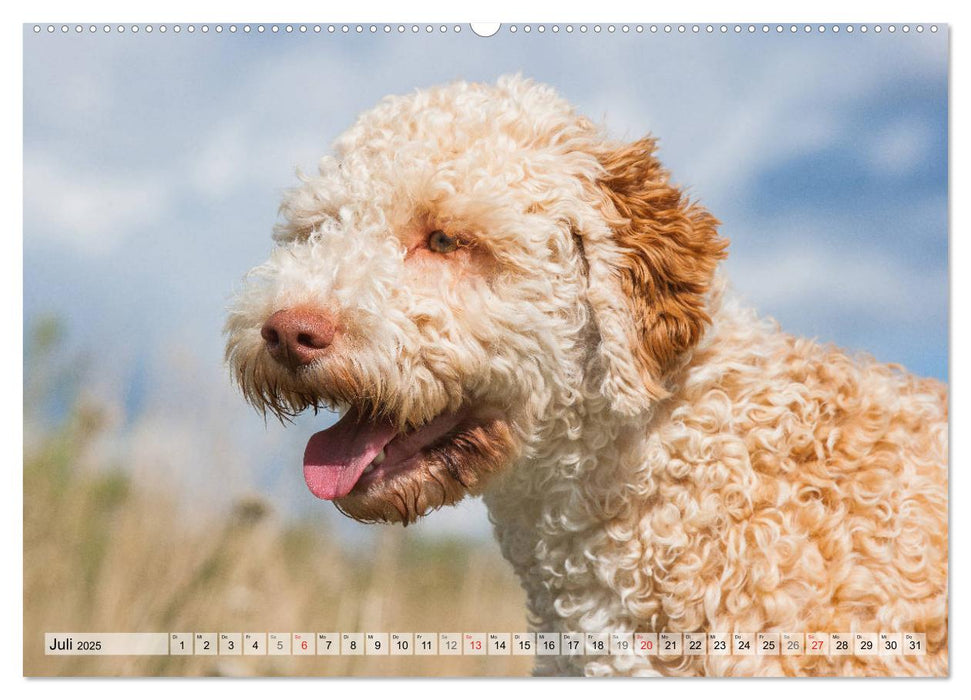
336, 457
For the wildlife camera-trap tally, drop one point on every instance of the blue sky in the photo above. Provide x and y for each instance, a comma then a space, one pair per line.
154, 166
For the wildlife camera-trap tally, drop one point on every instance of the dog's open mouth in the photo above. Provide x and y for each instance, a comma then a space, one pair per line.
357, 451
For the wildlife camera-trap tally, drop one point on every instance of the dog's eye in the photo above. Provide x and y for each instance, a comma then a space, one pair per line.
441, 242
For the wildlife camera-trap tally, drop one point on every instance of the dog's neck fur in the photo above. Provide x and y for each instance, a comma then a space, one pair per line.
579, 494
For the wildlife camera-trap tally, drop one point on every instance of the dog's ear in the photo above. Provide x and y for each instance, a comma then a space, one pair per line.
651, 260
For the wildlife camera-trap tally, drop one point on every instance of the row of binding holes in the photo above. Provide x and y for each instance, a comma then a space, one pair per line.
257, 28
443, 28
722, 28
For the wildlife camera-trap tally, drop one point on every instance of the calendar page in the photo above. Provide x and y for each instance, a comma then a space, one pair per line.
437, 349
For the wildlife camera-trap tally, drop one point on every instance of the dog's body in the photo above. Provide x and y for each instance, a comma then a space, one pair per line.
507, 304
782, 487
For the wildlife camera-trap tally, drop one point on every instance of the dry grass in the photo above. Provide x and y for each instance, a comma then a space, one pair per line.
107, 552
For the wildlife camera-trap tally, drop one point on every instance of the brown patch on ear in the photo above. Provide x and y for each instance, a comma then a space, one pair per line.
670, 250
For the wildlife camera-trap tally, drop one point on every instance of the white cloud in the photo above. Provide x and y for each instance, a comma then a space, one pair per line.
795, 277
91, 211
221, 165
725, 118
899, 148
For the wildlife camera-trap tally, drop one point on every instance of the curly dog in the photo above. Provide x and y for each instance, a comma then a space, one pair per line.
501, 300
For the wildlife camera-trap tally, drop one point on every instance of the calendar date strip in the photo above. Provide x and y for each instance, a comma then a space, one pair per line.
662, 644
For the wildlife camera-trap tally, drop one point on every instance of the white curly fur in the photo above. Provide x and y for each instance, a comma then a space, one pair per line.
758, 482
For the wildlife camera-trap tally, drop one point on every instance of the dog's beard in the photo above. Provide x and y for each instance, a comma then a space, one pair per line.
457, 465
442, 473
333, 385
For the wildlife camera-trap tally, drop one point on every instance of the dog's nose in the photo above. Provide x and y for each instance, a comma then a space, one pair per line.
297, 337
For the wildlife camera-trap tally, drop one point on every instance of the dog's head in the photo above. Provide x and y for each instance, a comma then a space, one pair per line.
473, 262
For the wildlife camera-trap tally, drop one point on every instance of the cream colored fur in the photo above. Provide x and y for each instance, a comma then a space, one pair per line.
774, 484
